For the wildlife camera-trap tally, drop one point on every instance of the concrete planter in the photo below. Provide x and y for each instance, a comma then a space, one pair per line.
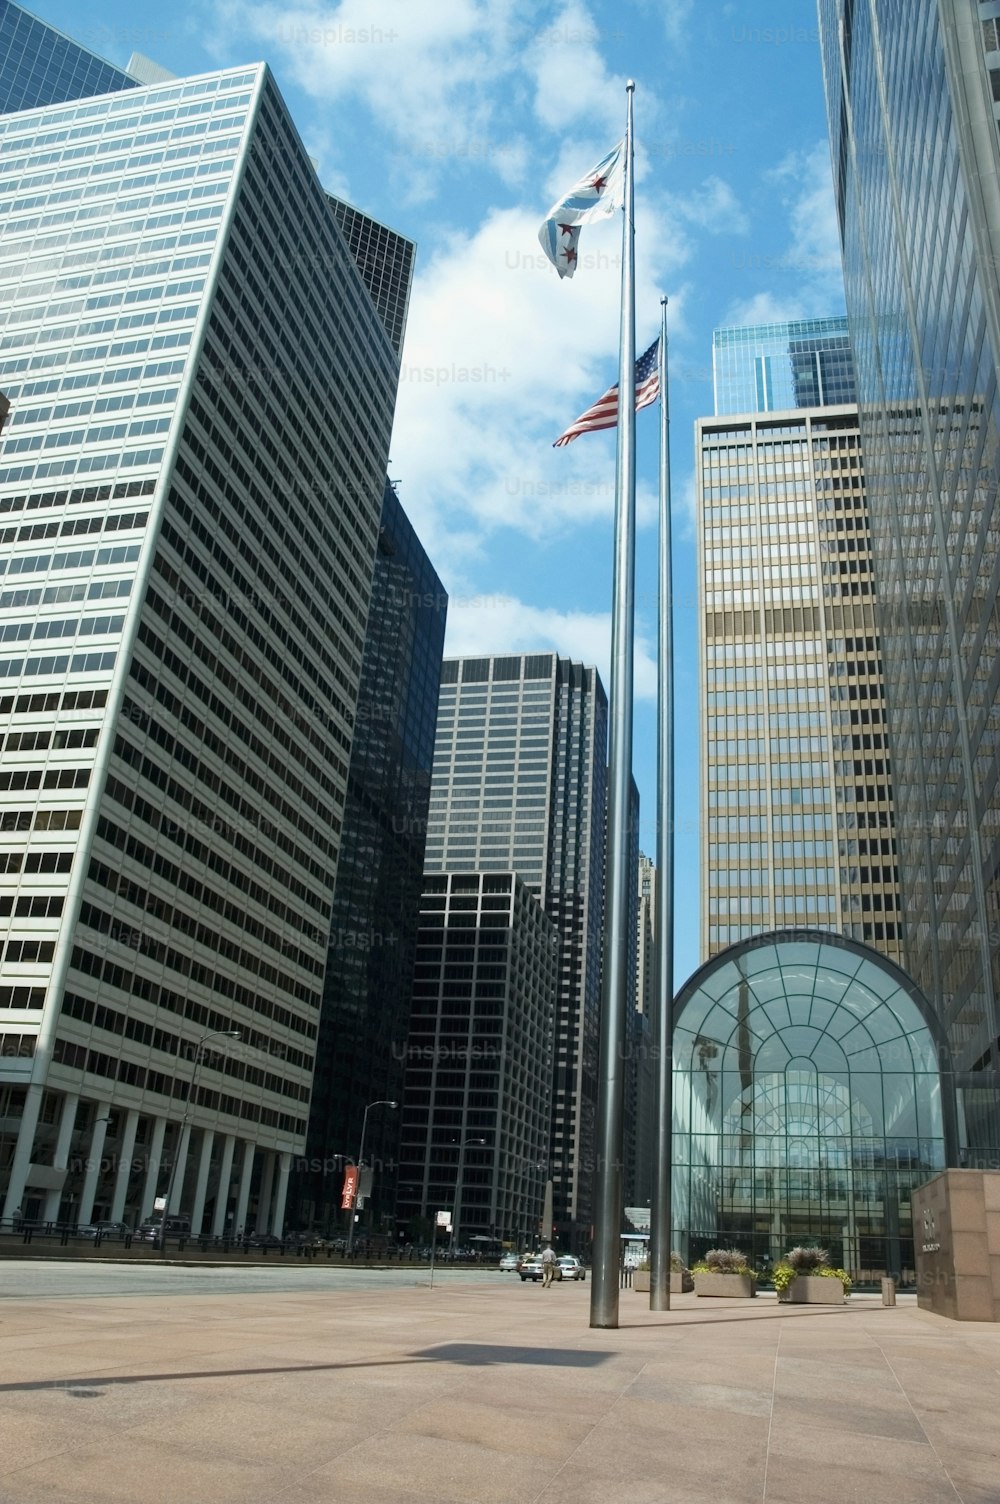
814, 1290
739, 1285
680, 1284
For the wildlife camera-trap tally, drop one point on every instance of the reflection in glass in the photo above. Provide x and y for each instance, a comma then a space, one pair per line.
807, 1105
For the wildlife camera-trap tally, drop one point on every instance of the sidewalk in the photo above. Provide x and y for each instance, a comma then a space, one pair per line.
492, 1393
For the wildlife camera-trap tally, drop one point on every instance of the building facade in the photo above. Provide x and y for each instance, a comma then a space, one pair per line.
39, 66
766, 368
190, 529
520, 783
920, 233
360, 1050
797, 813
476, 1118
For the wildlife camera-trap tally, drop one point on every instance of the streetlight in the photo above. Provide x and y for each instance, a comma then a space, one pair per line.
212, 1034
460, 1172
382, 1102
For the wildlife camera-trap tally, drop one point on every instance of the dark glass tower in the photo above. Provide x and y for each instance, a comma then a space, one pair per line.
912, 95
361, 1049
520, 783
39, 66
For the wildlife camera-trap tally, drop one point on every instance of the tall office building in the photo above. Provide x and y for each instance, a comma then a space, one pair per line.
641, 1078
476, 1109
39, 66
766, 368
361, 1047
797, 814
912, 101
192, 476
520, 783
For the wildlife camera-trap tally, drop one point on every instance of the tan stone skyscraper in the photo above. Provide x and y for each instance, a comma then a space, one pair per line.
797, 815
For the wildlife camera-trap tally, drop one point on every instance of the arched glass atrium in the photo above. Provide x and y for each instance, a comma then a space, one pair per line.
807, 1103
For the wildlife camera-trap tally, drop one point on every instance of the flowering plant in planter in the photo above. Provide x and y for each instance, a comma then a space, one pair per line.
806, 1261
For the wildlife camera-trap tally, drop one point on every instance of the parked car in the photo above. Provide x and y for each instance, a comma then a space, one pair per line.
531, 1268
104, 1230
510, 1262
570, 1267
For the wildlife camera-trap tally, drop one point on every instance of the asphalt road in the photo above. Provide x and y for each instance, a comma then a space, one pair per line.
51, 1279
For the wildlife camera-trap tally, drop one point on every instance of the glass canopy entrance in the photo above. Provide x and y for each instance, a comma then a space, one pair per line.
807, 1103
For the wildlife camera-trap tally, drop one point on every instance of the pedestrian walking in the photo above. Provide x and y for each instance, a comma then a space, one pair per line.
548, 1267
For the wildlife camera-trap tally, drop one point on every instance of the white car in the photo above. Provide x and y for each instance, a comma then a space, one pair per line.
509, 1262
570, 1267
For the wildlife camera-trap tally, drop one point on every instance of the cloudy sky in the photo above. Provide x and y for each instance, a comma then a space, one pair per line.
458, 122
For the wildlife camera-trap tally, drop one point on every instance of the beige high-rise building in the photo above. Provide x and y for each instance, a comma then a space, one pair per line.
797, 815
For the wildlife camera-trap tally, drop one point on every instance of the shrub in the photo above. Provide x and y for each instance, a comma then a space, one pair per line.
724, 1261
806, 1260
676, 1263
782, 1274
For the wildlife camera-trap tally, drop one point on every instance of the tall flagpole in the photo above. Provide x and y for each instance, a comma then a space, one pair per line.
608, 1206
659, 1218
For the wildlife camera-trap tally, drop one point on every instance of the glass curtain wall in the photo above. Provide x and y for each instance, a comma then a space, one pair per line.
807, 1102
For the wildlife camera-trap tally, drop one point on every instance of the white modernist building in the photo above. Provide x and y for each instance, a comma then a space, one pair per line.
191, 477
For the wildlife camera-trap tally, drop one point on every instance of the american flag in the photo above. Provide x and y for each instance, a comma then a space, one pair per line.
604, 413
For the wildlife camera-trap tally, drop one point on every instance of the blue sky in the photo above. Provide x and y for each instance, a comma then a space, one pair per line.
459, 122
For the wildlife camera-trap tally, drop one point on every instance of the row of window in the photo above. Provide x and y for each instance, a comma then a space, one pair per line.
58, 663
129, 1026
291, 713
176, 918
202, 770
110, 973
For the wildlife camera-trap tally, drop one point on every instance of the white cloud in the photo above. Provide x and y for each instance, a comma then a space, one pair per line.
810, 265
499, 358
432, 74
571, 81
713, 206
491, 624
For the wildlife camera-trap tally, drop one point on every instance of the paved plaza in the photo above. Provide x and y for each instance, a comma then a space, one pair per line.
236, 1386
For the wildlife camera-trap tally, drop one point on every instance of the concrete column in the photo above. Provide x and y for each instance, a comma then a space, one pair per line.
284, 1169
91, 1174
60, 1160
177, 1175
243, 1194
222, 1194
22, 1152
201, 1183
124, 1169
266, 1182
153, 1169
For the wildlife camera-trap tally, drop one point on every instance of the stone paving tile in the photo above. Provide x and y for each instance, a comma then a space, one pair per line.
833, 1412
700, 1396
437, 1468
839, 1482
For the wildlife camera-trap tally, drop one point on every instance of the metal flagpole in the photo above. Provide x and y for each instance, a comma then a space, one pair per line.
604, 1288
659, 1220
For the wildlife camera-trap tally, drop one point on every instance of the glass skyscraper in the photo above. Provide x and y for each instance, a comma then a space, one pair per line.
191, 482
39, 66
767, 368
520, 783
361, 1048
912, 100
476, 1117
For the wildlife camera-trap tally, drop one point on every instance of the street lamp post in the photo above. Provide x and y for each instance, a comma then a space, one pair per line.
213, 1034
458, 1188
382, 1102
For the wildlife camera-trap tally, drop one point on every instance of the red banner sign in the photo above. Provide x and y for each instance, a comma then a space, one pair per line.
350, 1188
